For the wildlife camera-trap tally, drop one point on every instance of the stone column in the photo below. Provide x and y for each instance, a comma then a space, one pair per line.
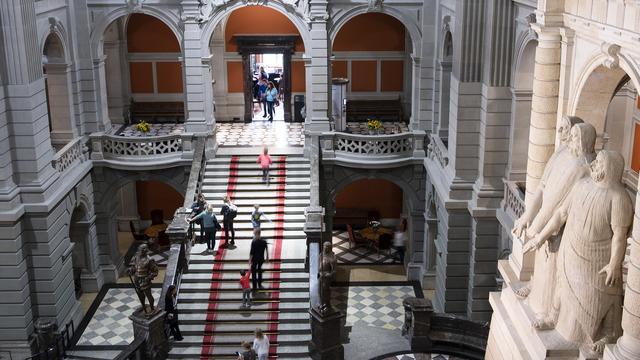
445, 90
103, 121
318, 93
628, 345
542, 131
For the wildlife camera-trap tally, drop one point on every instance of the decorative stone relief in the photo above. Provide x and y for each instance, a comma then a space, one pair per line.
375, 5
612, 51
205, 8
446, 24
134, 5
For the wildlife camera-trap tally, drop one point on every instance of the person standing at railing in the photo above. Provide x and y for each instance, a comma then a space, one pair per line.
229, 212
211, 226
172, 312
197, 207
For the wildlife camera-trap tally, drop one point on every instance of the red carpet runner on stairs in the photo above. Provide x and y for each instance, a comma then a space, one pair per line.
272, 330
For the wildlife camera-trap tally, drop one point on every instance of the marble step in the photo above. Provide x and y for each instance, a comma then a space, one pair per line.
283, 306
245, 327
233, 275
257, 180
283, 285
245, 210
222, 189
235, 339
216, 199
223, 173
228, 352
294, 251
211, 192
244, 317
251, 159
228, 296
245, 224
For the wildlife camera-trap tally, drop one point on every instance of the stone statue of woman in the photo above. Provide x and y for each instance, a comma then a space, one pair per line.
567, 166
597, 216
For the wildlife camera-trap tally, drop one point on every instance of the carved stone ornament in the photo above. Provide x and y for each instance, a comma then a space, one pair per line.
613, 55
54, 24
134, 5
446, 24
530, 19
374, 5
205, 8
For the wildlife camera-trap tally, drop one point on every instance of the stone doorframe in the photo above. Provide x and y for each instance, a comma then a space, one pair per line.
265, 44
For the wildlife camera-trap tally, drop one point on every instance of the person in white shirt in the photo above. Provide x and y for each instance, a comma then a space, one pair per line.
400, 239
261, 345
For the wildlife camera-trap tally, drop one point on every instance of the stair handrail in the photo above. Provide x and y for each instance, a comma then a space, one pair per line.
133, 351
314, 223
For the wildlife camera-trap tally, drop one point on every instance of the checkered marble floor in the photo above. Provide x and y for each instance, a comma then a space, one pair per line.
259, 133
110, 325
387, 128
419, 357
377, 306
156, 130
361, 254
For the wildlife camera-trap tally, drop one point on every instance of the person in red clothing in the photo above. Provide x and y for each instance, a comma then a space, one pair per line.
265, 161
246, 288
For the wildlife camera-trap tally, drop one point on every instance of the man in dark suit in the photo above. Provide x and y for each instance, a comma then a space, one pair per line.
258, 254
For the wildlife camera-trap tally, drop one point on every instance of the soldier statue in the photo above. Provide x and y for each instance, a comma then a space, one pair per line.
141, 273
326, 275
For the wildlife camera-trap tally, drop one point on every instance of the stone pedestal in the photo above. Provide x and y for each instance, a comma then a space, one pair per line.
151, 328
417, 323
326, 335
513, 337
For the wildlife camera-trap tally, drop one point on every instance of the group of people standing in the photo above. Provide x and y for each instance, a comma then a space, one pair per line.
267, 94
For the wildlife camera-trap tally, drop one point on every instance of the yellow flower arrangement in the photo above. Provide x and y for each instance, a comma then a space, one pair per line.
374, 124
143, 126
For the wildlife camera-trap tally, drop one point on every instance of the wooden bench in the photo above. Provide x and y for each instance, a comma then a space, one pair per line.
383, 110
157, 112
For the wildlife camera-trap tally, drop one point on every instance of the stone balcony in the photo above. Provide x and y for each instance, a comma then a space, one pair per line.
512, 206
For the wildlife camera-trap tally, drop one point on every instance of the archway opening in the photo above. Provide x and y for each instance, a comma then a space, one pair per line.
364, 225
522, 91
378, 67
58, 92
243, 42
608, 100
82, 261
143, 76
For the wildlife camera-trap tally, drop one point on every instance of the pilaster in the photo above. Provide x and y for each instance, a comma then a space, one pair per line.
319, 93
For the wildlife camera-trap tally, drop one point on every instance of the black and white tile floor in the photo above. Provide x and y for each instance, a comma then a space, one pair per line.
360, 255
259, 133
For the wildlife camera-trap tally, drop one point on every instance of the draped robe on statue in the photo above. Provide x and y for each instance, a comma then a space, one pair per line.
585, 249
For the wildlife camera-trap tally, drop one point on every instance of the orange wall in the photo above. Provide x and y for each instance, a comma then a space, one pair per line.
381, 195
146, 34
363, 76
258, 20
392, 72
157, 195
635, 156
298, 78
141, 75
371, 32
339, 69
234, 77
169, 77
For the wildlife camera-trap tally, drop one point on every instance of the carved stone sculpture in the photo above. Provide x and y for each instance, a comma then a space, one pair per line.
142, 272
596, 216
327, 273
565, 168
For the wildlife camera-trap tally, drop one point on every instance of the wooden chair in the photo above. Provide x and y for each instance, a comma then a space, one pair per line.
138, 236
356, 239
157, 217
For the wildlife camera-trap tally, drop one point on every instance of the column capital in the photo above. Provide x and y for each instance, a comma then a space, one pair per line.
548, 37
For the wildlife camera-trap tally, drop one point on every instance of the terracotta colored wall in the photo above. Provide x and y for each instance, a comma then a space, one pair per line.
635, 155
258, 20
371, 32
363, 76
391, 73
157, 195
298, 77
339, 69
141, 76
234, 76
169, 77
381, 195
147, 34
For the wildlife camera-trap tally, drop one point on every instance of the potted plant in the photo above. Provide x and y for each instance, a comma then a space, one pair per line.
143, 127
374, 126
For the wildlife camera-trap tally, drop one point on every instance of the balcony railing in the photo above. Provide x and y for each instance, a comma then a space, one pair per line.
438, 151
147, 148
73, 153
513, 202
372, 148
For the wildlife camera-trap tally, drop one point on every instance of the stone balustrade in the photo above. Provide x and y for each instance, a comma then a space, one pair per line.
163, 148
368, 149
513, 202
71, 154
438, 151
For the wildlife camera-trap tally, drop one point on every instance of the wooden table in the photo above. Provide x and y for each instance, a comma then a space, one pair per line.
374, 235
153, 231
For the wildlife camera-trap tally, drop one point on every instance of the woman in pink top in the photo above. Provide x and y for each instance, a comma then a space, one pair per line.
265, 160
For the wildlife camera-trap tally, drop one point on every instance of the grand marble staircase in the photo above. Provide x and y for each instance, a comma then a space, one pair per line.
211, 320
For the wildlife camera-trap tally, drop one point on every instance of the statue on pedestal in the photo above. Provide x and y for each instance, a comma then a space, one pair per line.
565, 168
141, 273
597, 216
326, 275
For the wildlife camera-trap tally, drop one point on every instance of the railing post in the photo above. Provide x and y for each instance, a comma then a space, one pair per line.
417, 323
96, 146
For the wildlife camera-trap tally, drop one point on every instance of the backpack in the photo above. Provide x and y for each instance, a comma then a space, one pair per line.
233, 211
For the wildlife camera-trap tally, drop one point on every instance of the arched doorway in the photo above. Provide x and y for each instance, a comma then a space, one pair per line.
58, 91
378, 67
240, 44
83, 255
143, 76
522, 91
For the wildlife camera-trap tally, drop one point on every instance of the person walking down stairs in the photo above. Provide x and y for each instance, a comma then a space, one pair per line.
229, 212
265, 161
256, 219
246, 288
211, 226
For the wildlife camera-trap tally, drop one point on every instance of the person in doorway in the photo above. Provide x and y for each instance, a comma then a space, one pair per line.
197, 207
247, 352
263, 82
265, 162
211, 226
172, 312
229, 212
246, 288
261, 345
400, 239
271, 95
258, 254
256, 218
